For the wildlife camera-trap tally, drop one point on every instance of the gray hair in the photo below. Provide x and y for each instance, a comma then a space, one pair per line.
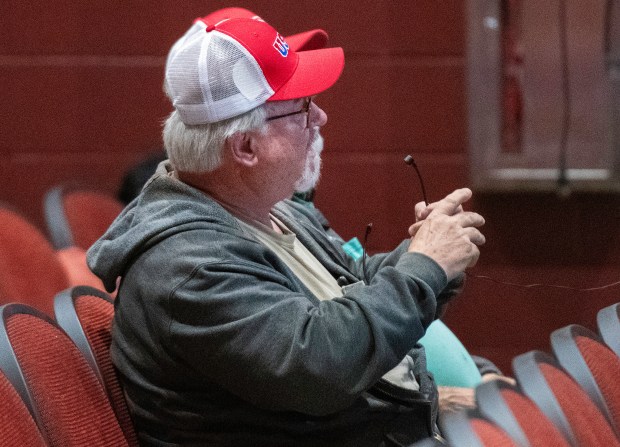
198, 148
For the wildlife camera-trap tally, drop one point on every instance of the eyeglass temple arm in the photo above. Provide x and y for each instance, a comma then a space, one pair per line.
411, 162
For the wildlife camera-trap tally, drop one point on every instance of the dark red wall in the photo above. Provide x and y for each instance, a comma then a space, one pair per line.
80, 85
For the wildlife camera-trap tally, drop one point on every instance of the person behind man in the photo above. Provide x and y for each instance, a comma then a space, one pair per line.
238, 320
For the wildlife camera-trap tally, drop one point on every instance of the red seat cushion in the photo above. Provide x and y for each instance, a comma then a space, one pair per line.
605, 367
73, 261
96, 316
30, 273
538, 429
16, 424
490, 435
89, 214
587, 422
74, 409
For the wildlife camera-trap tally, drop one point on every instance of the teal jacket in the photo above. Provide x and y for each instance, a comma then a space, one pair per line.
217, 342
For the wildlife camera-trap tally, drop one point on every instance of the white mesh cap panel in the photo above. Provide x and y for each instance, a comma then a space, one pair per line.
221, 59
183, 80
211, 77
178, 45
234, 83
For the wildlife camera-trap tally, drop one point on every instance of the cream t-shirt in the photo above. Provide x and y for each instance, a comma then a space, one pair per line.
297, 257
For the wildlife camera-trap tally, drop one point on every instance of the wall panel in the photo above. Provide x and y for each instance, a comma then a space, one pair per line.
387, 104
81, 108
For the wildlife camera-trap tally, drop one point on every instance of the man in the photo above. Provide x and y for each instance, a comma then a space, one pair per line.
238, 320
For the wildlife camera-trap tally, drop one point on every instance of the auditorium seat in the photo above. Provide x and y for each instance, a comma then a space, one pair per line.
30, 272
17, 427
86, 314
562, 400
594, 366
505, 406
608, 321
468, 428
78, 216
57, 383
73, 261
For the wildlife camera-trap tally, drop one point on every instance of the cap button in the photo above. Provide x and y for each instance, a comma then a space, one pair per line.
210, 28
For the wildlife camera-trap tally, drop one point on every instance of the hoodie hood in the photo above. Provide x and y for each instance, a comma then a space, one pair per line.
165, 207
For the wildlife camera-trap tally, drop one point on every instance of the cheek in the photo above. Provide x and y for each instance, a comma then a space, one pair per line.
288, 154
289, 162
295, 153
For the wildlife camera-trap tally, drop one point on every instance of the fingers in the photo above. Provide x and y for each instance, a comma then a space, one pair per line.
413, 229
469, 219
494, 376
425, 211
453, 399
446, 233
421, 211
474, 235
474, 254
465, 220
449, 205
452, 241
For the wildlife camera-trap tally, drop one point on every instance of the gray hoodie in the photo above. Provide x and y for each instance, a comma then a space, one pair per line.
217, 342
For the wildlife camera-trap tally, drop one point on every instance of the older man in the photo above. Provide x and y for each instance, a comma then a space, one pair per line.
238, 320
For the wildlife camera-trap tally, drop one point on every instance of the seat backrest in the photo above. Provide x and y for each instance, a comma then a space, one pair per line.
608, 322
17, 427
594, 366
562, 400
78, 217
505, 406
30, 273
491, 435
469, 428
73, 260
86, 315
55, 380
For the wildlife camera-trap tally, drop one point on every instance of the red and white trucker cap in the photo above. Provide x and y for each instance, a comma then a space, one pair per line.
309, 40
230, 67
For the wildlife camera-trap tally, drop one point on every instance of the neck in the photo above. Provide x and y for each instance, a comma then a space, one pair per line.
243, 197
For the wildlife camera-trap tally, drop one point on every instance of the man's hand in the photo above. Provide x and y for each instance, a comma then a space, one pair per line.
450, 205
494, 376
453, 399
447, 234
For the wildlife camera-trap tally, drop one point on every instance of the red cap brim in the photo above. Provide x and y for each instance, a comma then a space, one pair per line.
316, 71
310, 40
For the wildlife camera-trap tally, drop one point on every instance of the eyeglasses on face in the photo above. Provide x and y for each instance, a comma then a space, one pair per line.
304, 109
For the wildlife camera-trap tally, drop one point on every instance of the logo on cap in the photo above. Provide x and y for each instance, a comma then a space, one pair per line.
280, 45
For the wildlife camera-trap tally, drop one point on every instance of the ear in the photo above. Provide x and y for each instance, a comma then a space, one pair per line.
242, 149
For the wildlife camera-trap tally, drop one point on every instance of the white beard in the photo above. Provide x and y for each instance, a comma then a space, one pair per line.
312, 169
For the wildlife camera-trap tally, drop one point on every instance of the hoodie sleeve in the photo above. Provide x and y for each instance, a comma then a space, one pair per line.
271, 344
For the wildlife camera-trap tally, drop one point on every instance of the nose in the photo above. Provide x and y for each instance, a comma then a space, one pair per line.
318, 117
